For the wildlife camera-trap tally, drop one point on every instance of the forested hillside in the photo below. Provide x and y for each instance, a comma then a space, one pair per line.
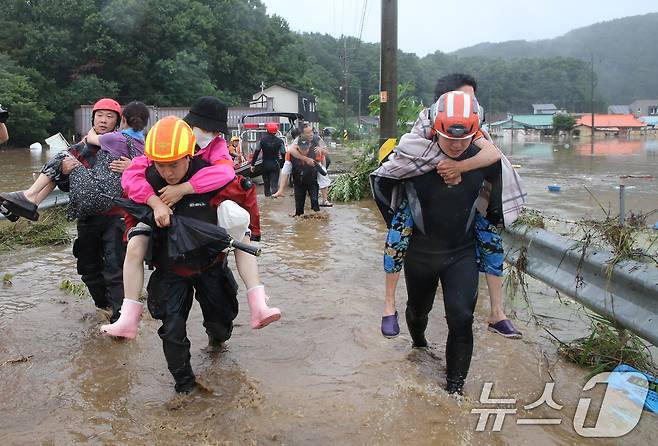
624, 50
57, 54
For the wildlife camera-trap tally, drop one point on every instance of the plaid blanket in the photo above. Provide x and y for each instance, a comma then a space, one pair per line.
417, 154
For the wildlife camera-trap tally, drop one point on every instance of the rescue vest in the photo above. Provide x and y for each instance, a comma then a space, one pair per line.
195, 206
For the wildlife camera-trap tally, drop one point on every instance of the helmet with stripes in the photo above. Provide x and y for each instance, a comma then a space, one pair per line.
455, 115
170, 139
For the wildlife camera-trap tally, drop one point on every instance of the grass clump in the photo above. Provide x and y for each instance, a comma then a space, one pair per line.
74, 288
51, 229
530, 218
621, 238
606, 347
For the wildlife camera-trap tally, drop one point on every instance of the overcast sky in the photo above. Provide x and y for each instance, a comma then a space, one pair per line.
425, 26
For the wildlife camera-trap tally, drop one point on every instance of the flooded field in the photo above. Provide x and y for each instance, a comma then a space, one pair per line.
321, 375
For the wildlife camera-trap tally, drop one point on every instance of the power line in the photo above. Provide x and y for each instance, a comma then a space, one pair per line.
363, 19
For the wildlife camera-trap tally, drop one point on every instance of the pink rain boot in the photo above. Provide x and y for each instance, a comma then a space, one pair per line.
261, 314
126, 325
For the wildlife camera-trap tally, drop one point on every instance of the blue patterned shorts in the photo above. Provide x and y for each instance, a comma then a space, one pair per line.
397, 240
489, 253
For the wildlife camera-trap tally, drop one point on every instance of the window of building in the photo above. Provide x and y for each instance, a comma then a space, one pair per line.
653, 109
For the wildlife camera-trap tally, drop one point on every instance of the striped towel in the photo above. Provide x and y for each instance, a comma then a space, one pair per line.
417, 154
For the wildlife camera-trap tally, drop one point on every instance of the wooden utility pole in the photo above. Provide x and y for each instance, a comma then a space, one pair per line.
592, 106
388, 89
345, 83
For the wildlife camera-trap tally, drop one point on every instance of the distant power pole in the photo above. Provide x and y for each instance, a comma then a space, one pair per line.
388, 89
358, 122
592, 105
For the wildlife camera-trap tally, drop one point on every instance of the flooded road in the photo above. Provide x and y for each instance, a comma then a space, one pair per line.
321, 375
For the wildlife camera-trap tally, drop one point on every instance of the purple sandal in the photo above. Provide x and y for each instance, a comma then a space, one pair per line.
505, 328
390, 326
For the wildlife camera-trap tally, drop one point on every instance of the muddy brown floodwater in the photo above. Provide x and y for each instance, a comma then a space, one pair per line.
321, 375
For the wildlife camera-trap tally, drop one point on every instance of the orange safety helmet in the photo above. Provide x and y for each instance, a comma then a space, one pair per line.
455, 115
170, 139
272, 127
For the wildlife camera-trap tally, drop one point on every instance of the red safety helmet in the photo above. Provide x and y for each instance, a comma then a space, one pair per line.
455, 115
107, 104
272, 127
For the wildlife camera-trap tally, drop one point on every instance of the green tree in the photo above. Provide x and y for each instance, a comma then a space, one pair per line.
408, 107
28, 118
563, 122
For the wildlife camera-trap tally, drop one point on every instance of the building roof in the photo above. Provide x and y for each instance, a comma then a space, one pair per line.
644, 102
526, 121
649, 120
544, 106
621, 121
295, 90
619, 110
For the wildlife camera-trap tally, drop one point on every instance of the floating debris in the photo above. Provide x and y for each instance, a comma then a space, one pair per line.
17, 360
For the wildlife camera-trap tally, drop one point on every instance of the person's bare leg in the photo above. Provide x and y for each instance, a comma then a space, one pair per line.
325, 197
247, 267
133, 267
389, 299
45, 192
133, 282
495, 285
33, 192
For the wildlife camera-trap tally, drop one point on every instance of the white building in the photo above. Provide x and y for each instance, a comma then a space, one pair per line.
285, 99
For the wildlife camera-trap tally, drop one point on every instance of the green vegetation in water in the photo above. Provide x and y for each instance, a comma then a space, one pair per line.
606, 347
51, 229
355, 184
530, 218
6, 279
74, 288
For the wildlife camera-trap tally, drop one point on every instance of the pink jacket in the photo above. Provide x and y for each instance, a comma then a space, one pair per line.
207, 179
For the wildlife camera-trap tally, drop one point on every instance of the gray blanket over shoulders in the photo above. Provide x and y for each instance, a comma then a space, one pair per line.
417, 154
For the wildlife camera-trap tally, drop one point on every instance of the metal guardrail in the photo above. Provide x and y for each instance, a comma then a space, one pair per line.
628, 295
57, 198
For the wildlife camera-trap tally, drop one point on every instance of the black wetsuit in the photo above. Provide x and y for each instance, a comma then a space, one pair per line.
445, 252
202, 274
272, 152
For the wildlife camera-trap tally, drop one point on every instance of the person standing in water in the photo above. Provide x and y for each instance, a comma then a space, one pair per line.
442, 244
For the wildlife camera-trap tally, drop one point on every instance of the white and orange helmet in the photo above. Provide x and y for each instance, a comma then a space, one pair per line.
455, 115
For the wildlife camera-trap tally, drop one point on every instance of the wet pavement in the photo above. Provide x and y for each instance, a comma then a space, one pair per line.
323, 374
